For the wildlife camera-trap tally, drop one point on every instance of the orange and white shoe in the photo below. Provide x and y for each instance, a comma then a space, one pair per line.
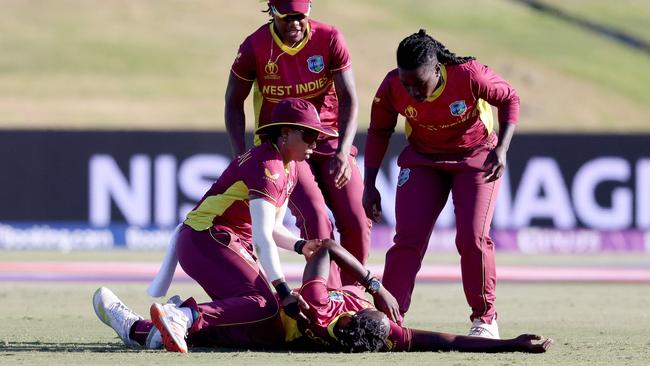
172, 324
154, 338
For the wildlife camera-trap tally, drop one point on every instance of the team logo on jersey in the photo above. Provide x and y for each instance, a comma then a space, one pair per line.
271, 70
335, 296
315, 64
404, 176
411, 112
458, 108
270, 175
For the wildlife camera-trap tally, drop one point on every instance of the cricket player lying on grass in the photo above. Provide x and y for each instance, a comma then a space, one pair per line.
337, 319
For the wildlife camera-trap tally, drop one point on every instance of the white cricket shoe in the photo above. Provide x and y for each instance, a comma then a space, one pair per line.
173, 325
154, 339
112, 312
484, 330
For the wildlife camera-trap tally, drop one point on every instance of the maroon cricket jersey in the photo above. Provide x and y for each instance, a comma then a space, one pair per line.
303, 71
327, 306
258, 172
456, 117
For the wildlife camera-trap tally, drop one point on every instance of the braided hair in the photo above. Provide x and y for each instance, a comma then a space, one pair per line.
420, 49
269, 12
363, 334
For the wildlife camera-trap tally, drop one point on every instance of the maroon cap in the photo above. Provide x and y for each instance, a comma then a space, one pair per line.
285, 7
293, 112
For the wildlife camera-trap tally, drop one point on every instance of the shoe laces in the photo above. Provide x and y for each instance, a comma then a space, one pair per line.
176, 300
176, 316
478, 331
123, 316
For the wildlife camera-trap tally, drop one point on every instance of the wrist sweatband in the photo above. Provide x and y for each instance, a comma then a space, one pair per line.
282, 289
297, 247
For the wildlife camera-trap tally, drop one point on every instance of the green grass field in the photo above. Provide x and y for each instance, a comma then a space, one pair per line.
46, 324
163, 64
593, 324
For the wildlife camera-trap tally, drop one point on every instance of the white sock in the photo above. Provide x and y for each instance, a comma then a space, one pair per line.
190, 316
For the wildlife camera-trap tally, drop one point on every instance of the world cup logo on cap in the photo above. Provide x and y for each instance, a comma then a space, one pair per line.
411, 112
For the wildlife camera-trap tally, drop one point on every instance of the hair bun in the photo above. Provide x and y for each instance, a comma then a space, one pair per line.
422, 32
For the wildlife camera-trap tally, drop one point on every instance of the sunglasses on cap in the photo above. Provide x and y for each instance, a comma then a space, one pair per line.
293, 18
288, 18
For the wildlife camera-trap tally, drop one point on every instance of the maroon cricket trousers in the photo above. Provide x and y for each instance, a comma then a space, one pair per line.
424, 184
244, 311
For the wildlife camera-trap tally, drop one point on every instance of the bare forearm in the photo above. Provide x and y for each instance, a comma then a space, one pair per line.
370, 176
435, 341
347, 124
236, 127
348, 109
348, 263
506, 131
237, 91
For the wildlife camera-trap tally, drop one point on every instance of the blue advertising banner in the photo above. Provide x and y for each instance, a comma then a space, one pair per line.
99, 189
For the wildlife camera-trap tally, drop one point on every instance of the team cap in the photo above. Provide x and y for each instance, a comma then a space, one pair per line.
285, 7
294, 112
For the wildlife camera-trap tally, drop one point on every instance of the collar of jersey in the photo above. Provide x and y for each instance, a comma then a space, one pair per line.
290, 50
330, 327
286, 166
441, 88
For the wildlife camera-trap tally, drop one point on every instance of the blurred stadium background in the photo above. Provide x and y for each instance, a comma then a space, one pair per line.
111, 127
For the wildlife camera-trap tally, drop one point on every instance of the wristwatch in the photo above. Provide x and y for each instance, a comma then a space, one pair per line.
374, 285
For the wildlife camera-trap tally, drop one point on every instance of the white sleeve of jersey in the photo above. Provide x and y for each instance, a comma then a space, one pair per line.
284, 238
263, 222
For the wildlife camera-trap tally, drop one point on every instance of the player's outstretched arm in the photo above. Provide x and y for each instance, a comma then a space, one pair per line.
435, 341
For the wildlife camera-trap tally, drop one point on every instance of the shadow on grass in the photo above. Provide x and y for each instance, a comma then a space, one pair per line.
99, 347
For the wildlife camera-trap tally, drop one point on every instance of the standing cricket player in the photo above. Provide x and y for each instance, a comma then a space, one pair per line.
295, 56
452, 148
